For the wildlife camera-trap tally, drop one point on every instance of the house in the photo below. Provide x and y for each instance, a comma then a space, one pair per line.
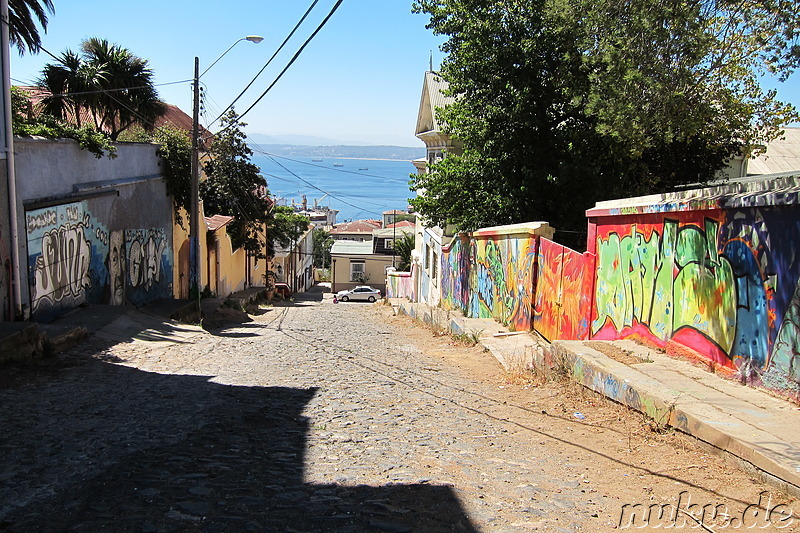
357, 230
781, 155
429, 126
355, 263
383, 239
295, 264
426, 268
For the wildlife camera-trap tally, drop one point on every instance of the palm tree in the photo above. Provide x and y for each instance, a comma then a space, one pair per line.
127, 95
66, 83
403, 247
22, 23
114, 85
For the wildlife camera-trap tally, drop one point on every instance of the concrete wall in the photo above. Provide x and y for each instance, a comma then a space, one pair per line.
712, 274
226, 267
490, 273
88, 237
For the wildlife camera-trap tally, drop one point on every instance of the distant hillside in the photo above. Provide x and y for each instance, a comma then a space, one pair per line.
401, 153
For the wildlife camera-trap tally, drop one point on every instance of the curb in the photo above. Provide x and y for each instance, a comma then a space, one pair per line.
672, 401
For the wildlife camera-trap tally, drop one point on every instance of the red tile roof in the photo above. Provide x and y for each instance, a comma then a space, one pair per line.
174, 116
213, 223
356, 226
401, 224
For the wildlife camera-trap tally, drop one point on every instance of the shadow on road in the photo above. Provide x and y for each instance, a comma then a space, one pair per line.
108, 447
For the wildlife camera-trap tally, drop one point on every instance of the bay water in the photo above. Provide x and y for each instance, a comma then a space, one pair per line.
358, 188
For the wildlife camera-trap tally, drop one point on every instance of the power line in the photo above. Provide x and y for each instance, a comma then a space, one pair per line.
286, 40
320, 190
294, 58
261, 151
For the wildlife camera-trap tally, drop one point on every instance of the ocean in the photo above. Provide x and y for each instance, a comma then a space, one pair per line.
358, 188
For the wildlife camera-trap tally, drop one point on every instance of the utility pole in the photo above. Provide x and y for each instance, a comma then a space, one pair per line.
8, 149
194, 218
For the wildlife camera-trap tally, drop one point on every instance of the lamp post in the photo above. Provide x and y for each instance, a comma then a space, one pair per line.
194, 219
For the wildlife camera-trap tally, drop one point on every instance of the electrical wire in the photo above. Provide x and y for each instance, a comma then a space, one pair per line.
286, 40
294, 58
256, 148
320, 190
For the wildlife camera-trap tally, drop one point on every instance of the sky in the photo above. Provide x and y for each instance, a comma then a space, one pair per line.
358, 81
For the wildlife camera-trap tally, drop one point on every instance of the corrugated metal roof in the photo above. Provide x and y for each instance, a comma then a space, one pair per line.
752, 191
782, 155
351, 248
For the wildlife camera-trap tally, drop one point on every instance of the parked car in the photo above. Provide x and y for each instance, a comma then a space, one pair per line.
283, 290
362, 292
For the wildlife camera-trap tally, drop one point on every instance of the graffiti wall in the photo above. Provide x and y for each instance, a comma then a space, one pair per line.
73, 259
401, 285
490, 274
723, 283
563, 292
455, 275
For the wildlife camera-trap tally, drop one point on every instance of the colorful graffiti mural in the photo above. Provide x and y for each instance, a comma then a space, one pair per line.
563, 292
714, 282
74, 259
455, 275
491, 276
401, 285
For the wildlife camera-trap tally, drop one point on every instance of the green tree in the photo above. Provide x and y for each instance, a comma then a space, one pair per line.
403, 247
235, 187
286, 227
23, 18
560, 103
115, 86
175, 149
322, 248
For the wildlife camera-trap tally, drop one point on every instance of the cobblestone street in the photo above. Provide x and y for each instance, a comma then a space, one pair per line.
313, 416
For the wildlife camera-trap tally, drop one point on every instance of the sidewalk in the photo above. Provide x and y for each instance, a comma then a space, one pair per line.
760, 432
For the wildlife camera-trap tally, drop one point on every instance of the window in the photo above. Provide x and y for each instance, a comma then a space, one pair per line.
357, 271
434, 265
389, 244
427, 257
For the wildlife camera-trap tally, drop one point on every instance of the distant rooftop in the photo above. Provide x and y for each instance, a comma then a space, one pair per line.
356, 226
352, 248
782, 155
213, 223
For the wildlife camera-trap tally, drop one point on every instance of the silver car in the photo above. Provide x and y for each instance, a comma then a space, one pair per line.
362, 292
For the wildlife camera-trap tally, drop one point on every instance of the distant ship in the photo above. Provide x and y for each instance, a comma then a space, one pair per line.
317, 160
363, 168
338, 164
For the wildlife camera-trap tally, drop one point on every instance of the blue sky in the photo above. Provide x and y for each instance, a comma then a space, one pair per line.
359, 80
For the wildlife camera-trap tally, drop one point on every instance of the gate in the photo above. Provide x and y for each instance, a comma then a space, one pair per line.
564, 288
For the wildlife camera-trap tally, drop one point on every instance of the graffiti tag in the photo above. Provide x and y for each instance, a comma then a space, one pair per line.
145, 249
668, 282
62, 270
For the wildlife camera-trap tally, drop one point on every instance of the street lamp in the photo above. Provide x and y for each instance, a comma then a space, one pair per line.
194, 222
